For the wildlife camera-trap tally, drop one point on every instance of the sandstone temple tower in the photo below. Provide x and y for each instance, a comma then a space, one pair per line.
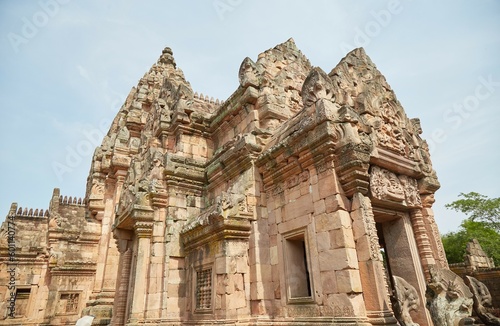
305, 198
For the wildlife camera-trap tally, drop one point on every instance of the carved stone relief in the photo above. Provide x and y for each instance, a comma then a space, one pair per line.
293, 181
449, 300
406, 300
316, 86
226, 205
388, 186
249, 74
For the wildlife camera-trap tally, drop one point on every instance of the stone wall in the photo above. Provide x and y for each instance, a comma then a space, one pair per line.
55, 254
477, 264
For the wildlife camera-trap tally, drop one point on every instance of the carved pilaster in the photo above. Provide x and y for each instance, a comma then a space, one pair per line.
143, 231
371, 266
422, 239
123, 243
433, 232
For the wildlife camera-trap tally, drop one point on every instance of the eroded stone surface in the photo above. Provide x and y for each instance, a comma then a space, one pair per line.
449, 299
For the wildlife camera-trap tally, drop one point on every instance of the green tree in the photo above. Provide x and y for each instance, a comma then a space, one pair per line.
482, 223
478, 208
455, 242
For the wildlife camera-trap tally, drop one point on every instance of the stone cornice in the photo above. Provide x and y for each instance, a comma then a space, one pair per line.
217, 228
185, 167
232, 160
73, 236
310, 145
135, 215
233, 105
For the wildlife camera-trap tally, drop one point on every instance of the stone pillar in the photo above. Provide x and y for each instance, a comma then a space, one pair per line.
158, 258
101, 301
422, 239
371, 268
143, 231
122, 283
433, 232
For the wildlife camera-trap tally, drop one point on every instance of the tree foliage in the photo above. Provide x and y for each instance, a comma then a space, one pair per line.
482, 223
478, 208
455, 242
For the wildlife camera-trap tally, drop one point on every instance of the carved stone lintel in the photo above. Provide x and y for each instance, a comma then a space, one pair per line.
482, 301
385, 185
406, 300
388, 186
227, 205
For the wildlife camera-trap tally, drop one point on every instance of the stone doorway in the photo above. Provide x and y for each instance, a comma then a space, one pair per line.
401, 258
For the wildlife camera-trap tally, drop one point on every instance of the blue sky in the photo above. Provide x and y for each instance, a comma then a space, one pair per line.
66, 66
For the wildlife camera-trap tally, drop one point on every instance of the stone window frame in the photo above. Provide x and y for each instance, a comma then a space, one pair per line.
23, 290
66, 312
196, 271
294, 235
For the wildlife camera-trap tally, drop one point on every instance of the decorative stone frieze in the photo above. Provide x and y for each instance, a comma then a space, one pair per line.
389, 187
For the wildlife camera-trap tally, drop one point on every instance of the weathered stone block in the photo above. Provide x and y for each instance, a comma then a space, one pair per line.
341, 219
348, 281
323, 222
341, 238
329, 282
323, 241
338, 259
327, 185
319, 207
303, 205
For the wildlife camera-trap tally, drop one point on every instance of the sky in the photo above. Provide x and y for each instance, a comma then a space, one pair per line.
66, 66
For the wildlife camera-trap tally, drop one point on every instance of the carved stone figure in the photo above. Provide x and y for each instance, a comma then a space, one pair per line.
406, 300
317, 86
249, 74
449, 300
482, 301
385, 185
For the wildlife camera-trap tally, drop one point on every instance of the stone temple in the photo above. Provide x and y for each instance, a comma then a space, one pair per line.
305, 198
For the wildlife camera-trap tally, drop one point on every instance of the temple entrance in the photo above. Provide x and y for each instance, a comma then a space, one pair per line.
399, 250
